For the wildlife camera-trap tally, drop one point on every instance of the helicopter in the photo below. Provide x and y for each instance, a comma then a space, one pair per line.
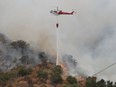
60, 12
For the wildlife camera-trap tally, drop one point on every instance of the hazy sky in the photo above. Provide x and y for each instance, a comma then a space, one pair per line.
89, 35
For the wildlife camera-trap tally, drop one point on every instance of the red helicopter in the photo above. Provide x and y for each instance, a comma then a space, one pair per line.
60, 12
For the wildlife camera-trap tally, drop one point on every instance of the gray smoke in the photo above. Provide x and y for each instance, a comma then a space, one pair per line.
70, 62
89, 35
72, 66
17, 53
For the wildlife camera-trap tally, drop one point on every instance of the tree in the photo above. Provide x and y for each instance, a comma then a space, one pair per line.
71, 80
109, 83
20, 44
56, 79
101, 83
114, 84
57, 70
91, 82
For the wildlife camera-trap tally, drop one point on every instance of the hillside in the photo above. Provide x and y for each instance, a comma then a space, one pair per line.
43, 75
23, 66
46, 75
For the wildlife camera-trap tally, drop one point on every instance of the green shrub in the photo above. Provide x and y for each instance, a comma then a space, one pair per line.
42, 74
4, 77
23, 71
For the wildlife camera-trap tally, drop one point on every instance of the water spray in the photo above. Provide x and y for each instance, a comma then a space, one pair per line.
57, 44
